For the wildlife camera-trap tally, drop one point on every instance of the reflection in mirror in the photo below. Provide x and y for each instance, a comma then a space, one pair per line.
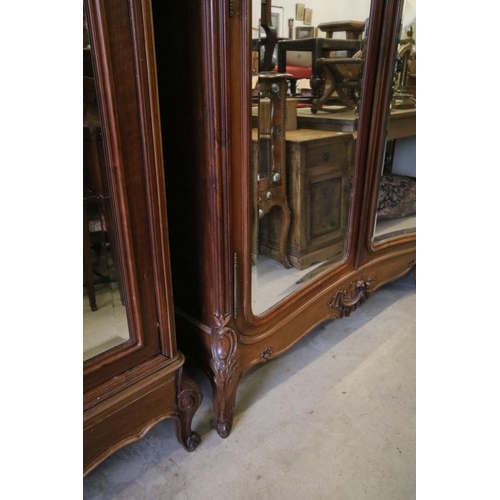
306, 83
104, 318
396, 209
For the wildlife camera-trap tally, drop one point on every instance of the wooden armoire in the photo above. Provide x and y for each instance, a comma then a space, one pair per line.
233, 308
133, 373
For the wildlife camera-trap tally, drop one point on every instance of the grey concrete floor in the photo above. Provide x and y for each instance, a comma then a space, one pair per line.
333, 418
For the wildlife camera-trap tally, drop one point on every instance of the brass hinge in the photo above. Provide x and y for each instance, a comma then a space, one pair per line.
231, 8
235, 285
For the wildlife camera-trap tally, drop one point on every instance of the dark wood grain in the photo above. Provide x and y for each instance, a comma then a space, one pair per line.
130, 388
210, 195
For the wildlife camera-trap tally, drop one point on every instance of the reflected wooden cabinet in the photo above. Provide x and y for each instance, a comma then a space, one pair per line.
229, 309
318, 167
134, 378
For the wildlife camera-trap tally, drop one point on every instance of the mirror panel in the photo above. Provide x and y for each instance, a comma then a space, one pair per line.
306, 83
105, 323
396, 202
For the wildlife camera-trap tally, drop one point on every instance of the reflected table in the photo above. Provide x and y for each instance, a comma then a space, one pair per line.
402, 122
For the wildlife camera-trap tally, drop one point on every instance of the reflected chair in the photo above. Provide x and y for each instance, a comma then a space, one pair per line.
335, 66
342, 82
341, 74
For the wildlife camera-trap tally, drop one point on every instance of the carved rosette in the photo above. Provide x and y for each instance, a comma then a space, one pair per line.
267, 353
224, 363
346, 301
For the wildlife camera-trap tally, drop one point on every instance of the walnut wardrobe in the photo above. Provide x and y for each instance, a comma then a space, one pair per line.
275, 207
132, 370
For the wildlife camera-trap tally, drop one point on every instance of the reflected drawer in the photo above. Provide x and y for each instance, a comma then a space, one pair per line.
331, 153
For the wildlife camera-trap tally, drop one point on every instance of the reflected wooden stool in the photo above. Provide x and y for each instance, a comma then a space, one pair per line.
342, 79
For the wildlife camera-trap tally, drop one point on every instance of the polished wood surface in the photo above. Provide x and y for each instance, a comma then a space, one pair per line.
133, 386
210, 196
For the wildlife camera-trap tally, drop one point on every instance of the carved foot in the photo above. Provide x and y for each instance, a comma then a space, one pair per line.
226, 374
192, 441
224, 427
224, 406
188, 401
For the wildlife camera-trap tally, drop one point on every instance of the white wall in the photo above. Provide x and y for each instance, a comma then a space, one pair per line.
329, 10
405, 157
323, 11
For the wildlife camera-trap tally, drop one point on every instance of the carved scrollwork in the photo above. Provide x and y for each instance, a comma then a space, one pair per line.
188, 402
188, 399
267, 353
346, 301
224, 344
224, 363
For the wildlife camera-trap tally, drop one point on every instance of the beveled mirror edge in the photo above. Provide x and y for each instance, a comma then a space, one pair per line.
380, 119
144, 336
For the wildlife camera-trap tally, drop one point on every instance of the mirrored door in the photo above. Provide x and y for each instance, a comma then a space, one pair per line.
105, 323
307, 69
125, 255
396, 211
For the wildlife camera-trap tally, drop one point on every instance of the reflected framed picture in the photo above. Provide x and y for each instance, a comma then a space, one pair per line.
299, 11
277, 19
304, 32
308, 16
